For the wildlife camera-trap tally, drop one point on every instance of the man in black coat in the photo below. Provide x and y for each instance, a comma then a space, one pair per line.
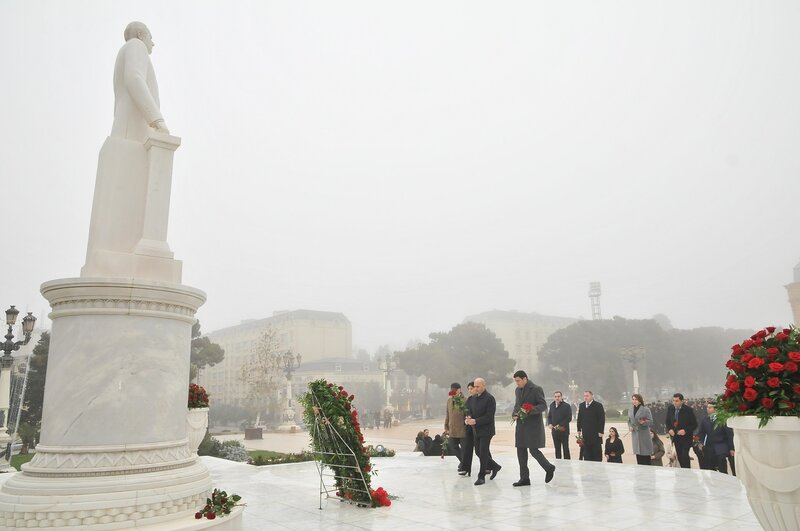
481, 409
680, 424
716, 442
591, 426
529, 434
559, 415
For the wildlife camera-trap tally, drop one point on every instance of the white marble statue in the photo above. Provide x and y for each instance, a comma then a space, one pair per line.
136, 105
130, 213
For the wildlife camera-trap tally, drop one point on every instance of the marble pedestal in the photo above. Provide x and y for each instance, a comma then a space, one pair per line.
113, 452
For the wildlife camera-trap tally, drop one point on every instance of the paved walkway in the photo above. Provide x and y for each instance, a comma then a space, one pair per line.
401, 438
583, 495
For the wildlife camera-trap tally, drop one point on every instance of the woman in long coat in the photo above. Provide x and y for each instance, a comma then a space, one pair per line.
639, 421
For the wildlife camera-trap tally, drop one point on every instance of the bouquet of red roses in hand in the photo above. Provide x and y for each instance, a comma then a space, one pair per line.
524, 411
458, 401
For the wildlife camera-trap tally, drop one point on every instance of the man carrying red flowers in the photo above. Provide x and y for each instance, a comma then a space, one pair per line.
454, 423
680, 424
529, 435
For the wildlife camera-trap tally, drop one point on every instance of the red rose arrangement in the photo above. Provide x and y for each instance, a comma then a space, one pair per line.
197, 397
763, 377
579, 440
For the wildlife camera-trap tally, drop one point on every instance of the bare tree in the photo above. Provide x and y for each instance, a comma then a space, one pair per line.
263, 374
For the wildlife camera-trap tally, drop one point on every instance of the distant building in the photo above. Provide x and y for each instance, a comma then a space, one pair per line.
523, 334
315, 335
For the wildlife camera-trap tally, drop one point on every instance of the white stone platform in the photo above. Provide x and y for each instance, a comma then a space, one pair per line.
597, 496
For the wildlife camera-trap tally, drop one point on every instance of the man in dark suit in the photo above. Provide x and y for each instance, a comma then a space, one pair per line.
559, 415
468, 444
716, 442
591, 426
481, 409
529, 434
680, 424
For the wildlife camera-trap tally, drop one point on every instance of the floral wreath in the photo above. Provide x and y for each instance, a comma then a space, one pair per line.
327, 403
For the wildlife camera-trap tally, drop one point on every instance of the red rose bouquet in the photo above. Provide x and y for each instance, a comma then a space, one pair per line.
524, 411
458, 400
763, 377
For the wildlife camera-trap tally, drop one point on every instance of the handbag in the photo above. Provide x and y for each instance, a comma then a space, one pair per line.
672, 457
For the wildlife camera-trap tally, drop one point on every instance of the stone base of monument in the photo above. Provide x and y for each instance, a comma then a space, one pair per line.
166, 497
290, 428
114, 452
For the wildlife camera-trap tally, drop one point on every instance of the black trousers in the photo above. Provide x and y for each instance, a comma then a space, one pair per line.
522, 457
593, 451
482, 443
682, 447
456, 447
561, 442
643, 460
467, 450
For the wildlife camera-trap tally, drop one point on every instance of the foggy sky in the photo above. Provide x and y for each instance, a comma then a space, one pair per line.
411, 163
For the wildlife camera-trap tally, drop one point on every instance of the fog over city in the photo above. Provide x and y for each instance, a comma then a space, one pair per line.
412, 163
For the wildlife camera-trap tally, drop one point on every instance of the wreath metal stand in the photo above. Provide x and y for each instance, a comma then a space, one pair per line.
330, 443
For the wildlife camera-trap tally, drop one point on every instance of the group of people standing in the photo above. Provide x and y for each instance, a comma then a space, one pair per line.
471, 428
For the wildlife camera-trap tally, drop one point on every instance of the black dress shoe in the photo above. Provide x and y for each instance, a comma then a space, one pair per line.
480, 481
463, 473
549, 475
522, 483
495, 471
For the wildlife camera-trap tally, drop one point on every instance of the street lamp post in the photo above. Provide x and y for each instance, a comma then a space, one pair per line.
634, 355
387, 365
290, 363
573, 389
6, 362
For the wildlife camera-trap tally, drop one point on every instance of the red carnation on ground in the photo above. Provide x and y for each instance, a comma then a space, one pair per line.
198, 515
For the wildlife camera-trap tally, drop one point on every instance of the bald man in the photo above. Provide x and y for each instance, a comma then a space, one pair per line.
481, 409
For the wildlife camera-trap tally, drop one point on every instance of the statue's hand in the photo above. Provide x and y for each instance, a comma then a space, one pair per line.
160, 126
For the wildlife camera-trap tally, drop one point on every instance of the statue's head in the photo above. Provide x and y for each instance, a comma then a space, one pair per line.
137, 30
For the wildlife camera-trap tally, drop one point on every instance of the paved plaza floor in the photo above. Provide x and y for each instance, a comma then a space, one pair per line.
431, 495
